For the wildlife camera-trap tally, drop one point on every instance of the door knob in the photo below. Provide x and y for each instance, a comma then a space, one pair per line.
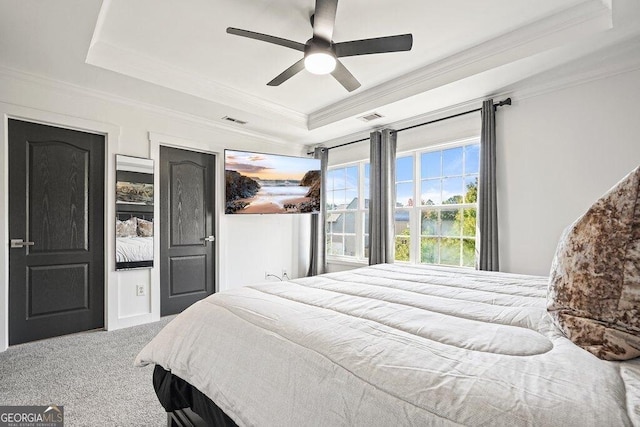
209, 239
19, 243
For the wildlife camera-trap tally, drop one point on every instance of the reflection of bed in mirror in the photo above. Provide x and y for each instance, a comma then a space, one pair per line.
134, 212
134, 237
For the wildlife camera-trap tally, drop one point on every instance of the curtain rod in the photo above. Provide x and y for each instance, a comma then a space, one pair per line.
495, 105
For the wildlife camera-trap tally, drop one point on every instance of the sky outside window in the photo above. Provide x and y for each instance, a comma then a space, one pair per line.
404, 181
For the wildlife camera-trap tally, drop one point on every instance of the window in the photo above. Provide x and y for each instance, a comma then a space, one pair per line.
436, 205
345, 209
405, 192
448, 205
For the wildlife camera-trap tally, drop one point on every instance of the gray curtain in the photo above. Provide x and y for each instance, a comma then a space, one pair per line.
487, 226
317, 258
382, 197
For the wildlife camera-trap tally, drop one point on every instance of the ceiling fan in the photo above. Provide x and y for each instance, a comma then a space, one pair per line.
321, 53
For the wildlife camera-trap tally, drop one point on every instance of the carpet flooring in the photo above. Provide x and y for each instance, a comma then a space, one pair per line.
91, 374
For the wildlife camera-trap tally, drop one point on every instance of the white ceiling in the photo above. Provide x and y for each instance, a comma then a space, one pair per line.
177, 54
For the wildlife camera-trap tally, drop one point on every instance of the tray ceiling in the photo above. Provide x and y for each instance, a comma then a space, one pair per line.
463, 50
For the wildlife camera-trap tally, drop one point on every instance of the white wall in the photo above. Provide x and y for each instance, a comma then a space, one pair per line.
247, 246
557, 153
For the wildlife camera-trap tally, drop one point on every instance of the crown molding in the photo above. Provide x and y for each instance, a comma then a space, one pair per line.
66, 88
576, 21
611, 61
134, 64
518, 94
572, 81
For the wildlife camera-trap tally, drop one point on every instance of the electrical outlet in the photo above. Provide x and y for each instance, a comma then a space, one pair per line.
140, 290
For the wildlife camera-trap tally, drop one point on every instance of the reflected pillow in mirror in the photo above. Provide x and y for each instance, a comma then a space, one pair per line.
126, 228
145, 228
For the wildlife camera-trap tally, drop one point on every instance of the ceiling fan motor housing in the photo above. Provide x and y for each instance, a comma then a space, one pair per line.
315, 44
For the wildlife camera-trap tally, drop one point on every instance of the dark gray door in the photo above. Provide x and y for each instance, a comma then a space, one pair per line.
56, 208
187, 257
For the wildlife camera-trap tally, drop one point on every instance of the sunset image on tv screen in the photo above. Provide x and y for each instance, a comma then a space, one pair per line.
269, 183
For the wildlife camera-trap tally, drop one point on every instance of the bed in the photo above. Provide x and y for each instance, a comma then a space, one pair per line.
394, 344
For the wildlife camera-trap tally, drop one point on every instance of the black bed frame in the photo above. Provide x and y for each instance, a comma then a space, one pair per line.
185, 418
186, 406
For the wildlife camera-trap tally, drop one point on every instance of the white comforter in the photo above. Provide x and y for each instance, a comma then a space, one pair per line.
131, 249
393, 345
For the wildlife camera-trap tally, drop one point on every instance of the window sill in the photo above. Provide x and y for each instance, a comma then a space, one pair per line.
352, 262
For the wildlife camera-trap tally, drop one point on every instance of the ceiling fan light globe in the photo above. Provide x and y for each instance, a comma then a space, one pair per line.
319, 63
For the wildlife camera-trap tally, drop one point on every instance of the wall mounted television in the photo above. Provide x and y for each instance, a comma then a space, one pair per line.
259, 183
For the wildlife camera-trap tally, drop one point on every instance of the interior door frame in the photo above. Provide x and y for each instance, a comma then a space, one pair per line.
112, 134
155, 141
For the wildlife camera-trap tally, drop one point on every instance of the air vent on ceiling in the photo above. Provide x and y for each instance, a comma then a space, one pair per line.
231, 119
370, 116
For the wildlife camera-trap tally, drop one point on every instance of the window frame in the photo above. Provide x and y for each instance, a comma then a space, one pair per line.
359, 212
415, 211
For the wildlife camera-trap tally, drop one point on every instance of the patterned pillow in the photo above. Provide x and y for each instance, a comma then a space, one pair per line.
145, 228
126, 228
594, 287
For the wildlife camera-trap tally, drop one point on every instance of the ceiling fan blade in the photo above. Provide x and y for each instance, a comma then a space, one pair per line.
266, 38
398, 43
287, 74
324, 19
345, 78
